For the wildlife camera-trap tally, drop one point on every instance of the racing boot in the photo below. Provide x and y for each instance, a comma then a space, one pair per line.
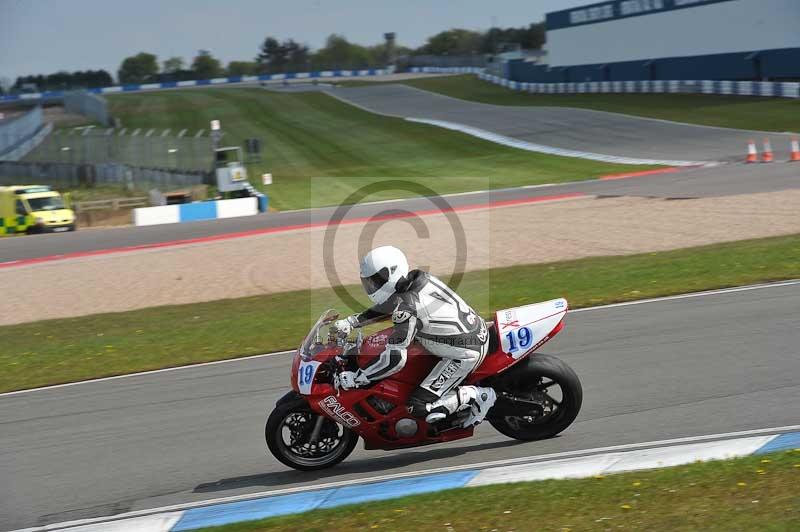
480, 400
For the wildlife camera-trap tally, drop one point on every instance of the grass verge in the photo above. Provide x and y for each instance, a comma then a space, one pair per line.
752, 493
742, 112
306, 136
65, 350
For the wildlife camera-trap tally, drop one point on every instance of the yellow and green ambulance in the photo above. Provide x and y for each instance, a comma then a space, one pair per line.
33, 209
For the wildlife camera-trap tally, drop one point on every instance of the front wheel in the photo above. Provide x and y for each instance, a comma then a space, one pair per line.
536, 399
304, 440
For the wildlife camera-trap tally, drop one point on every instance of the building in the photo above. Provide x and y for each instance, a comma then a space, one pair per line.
620, 40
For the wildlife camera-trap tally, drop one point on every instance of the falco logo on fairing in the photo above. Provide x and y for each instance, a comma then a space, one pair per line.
334, 409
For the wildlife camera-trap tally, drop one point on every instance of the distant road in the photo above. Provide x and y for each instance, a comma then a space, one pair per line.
701, 182
567, 128
683, 367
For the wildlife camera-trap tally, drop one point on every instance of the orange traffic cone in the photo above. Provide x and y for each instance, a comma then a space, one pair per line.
767, 156
752, 152
795, 150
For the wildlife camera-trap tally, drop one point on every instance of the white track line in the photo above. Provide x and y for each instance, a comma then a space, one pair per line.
550, 150
490, 136
394, 476
140, 373
690, 295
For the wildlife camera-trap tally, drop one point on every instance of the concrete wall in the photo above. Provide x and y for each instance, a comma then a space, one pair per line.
197, 211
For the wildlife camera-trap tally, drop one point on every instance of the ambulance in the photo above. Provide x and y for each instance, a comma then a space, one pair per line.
34, 209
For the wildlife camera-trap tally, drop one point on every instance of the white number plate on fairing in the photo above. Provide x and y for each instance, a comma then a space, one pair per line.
522, 329
305, 376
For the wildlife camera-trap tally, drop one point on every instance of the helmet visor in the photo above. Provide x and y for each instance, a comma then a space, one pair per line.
374, 282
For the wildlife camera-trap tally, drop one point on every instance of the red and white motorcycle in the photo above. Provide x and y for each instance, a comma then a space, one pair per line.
317, 425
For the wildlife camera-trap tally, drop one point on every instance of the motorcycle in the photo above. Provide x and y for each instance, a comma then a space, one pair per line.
318, 424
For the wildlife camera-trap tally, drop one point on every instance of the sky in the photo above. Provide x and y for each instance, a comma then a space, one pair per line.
44, 36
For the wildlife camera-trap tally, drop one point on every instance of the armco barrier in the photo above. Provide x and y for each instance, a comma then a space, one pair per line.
727, 88
197, 211
58, 95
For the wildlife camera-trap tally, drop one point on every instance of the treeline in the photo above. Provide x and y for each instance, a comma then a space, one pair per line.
494, 41
273, 57
279, 56
85, 79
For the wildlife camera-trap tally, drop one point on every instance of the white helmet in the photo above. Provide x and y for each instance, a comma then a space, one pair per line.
381, 269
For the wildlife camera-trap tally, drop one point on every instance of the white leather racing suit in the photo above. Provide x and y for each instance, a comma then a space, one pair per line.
428, 311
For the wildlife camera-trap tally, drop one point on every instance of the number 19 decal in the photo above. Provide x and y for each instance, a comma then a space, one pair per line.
524, 336
305, 375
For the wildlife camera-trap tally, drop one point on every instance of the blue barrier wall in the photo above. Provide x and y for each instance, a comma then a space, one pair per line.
777, 89
777, 65
57, 95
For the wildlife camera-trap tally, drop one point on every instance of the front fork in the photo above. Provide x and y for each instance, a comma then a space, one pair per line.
314, 438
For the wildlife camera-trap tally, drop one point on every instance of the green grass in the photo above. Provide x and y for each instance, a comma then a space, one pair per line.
308, 136
745, 494
65, 350
767, 114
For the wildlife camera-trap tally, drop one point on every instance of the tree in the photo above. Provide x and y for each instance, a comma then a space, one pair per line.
138, 68
272, 56
297, 56
453, 42
339, 53
242, 68
205, 66
530, 38
173, 65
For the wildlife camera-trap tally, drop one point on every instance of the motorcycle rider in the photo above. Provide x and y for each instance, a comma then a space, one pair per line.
424, 309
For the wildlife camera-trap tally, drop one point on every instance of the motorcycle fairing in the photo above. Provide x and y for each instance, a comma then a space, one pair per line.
542, 321
378, 429
522, 329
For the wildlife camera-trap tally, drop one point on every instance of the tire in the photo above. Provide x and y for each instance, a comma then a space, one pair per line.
524, 378
273, 432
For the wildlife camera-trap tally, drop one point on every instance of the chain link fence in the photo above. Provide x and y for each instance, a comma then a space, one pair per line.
71, 175
165, 149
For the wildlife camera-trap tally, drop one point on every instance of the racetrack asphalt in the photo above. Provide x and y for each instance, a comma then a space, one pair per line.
567, 128
686, 183
714, 363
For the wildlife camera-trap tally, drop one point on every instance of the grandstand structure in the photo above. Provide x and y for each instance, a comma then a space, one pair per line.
648, 40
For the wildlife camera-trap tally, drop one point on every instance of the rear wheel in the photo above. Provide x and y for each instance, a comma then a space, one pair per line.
304, 440
536, 399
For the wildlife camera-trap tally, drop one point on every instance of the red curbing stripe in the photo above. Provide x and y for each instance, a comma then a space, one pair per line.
669, 170
282, 229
